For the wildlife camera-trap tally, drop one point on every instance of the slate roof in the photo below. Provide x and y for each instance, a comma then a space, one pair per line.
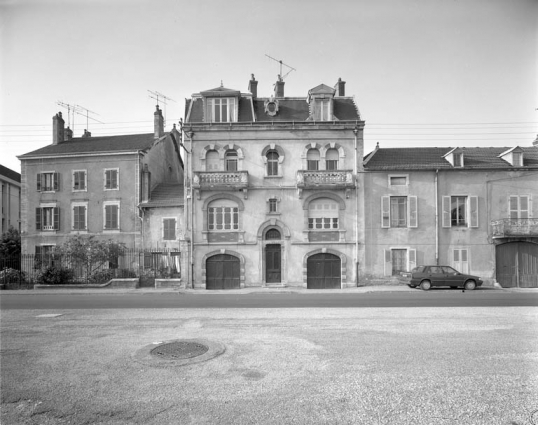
425, 158
81, 145
10, 174
165, 195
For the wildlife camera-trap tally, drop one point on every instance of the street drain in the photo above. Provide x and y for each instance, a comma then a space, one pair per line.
178, 352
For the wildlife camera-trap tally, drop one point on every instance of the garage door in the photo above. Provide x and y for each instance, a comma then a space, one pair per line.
517, 265
222, 272
323, 271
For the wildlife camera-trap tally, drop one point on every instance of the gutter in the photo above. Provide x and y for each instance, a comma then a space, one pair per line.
436, 217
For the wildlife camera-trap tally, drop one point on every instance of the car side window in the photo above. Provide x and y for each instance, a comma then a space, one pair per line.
435, 270
449, 270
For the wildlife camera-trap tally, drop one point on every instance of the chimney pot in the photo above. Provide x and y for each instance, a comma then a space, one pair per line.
279, 87
253, 86
87, 133
68, 135
340, 88
158, 121
58, 128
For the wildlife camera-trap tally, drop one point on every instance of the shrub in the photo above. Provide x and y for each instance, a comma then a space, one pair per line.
102, 276
55, 276
11, 276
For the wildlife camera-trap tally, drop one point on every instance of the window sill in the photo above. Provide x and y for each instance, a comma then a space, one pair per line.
106, 190
111, 230
273, 177
82, 231
79, 190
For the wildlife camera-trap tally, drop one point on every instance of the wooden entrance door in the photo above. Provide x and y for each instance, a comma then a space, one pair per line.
517, 265
323, 271
223, 272
273, 263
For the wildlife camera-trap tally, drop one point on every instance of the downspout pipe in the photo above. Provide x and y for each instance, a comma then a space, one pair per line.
436, 217
356, 172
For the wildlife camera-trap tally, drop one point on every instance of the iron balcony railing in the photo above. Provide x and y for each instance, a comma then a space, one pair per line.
336, 179
508, 227
224, 179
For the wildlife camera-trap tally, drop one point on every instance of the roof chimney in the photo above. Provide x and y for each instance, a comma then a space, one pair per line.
158, 121
68, 135
253, 86
279, 87
57, 129
535, 143
87, 133
340, 88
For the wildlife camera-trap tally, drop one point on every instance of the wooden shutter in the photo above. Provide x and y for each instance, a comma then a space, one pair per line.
412, 258
412, 211
513, 207
524, 207
388, 262
38, 219
385, 211
39, 182
56, 184
446, 211
56, 212
473, 210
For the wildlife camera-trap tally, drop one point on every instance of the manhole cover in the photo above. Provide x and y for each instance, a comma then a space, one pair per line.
179, 350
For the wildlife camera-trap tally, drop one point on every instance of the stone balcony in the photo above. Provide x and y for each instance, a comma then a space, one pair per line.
326, 179
515, 228
223, 180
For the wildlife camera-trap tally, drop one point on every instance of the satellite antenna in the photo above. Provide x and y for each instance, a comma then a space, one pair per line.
79, 110
163, 99
282, 63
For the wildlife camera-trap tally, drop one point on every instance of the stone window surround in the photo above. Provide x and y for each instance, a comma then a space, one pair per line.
222, 152
322, 154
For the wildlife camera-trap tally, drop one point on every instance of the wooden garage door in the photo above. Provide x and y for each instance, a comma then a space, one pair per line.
323, 271
222, 272
517, 265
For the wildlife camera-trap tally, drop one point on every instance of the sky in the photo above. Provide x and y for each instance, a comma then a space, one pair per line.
423, 72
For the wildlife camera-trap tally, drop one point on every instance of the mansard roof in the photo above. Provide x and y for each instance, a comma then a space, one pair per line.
425, 158
91, 145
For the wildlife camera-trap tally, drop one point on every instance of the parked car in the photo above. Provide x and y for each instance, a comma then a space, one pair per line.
428, 276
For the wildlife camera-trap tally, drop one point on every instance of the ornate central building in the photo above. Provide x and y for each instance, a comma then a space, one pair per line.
273, 187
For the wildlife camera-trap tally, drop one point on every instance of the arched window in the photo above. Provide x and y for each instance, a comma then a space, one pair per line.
272, 163
212, 161
323, 214
312, 160
331, 159
230, 159
272, 234
222, 215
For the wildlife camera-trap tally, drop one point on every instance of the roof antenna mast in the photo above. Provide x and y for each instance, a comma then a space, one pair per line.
282, 63
79, 110
156, 95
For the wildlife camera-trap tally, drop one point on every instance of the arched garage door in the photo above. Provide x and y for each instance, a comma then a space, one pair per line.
222, 272
517, 264
323, 271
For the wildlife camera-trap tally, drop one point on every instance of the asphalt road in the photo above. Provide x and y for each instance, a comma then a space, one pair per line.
379, 366
415, 298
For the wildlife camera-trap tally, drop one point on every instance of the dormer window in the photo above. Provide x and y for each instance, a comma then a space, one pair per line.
220, 110
513, 156
271, 107
455, 157
320, 99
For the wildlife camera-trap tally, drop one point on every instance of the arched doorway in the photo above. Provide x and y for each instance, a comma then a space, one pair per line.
223, 272
517, 264
323, 271
273, 257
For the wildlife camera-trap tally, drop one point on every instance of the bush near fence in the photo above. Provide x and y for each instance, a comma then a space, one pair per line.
25, 270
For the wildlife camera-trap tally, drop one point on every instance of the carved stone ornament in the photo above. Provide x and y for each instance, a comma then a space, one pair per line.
271, 107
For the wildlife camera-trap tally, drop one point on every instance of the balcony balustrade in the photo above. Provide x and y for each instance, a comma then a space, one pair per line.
508, 227
325, 179
224, 180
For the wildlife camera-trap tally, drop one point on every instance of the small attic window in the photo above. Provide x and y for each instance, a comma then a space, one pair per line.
513, 156
458, 159
455, 157
517, 159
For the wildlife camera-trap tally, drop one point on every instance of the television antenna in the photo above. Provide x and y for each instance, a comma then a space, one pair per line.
159, 97
282, 64
73, 109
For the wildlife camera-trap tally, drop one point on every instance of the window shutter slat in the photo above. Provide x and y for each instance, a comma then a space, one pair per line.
413, 211
446, 211
385, 211
38, 218
56, 211
56, 181
473, 200
39, 182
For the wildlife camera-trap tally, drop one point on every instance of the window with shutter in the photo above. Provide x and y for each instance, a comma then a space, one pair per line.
413, 211
169, 229
312, 160
111, 216
473, 211
112, 179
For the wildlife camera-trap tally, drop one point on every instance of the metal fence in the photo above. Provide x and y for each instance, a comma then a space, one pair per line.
26, 270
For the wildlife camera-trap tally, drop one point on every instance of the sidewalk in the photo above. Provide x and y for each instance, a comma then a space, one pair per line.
243, 291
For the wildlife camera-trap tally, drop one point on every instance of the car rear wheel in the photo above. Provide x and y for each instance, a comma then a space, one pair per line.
425, 285
470, 285
412, 286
